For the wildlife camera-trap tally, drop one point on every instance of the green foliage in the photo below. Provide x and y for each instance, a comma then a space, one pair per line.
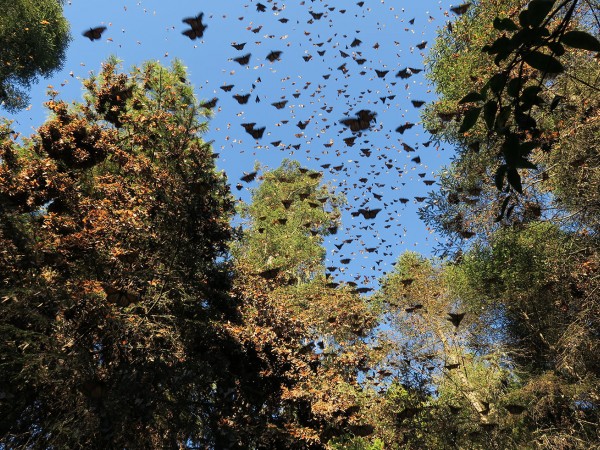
34, 36
289, 216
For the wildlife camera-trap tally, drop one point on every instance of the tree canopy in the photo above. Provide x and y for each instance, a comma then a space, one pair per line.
141, 306
34, 36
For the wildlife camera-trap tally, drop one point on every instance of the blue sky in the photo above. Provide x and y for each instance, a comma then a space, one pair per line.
326, 91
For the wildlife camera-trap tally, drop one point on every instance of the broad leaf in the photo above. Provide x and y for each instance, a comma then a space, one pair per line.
514, 179
537, 11
502, 209
499, 176
489, 113
472, 97
470, 119
543, 62
581, 40
505, 24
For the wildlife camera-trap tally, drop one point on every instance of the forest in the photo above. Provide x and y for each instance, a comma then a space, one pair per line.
144, 306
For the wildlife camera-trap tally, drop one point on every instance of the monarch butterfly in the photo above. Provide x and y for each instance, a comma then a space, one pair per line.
197, 30
242, 99
407, 147
361, 122
369, 213
404, 73
248, 177
349, 141
315, 15
381, 73
356, 42
363, 290
193, 34
460, 9
274, 55
227, 87
257, 133
417, 103
402, 128
239, 46
422, 45
280, 105
248, 126
210, 104
94, 33
120, 297
243, 60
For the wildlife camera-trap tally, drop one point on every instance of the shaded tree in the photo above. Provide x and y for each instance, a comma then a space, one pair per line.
113, 225
34, 36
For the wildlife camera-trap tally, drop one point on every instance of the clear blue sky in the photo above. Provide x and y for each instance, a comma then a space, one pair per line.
143, 30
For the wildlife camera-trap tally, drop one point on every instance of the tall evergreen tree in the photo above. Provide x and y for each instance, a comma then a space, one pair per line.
113, 223
34, 37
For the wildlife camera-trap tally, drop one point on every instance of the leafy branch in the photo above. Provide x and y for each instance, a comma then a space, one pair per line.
529, 49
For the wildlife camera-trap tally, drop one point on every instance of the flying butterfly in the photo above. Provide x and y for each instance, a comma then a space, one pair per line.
243, 60
404, 73
381, 73
402, 128
422, 45
227, 87
356, 42
239, 46
315, 15
362, 121
257, 133
241, 99
369, 213
197, 27
248, 177
274, 55
417, 103
460, 9
349, 141
280, 105
209, 104
94, 33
